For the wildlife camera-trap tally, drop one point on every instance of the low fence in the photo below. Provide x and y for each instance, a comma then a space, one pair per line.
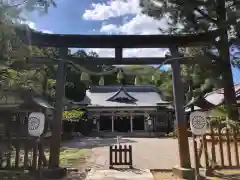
22, 153
120, 155
218, 148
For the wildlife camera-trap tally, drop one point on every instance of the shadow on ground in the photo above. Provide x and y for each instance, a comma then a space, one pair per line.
93, 142
133, 170
227, 176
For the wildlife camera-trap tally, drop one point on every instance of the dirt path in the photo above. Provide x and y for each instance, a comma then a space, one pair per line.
148, 153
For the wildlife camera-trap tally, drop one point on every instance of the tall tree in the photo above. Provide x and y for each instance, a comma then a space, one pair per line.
201, 16
199, 79
13, 53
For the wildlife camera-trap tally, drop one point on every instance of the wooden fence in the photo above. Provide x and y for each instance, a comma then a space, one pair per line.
22, 154
120, 155
18, 150
218, 148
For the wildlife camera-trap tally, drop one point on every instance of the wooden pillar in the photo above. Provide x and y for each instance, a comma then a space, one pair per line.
118, 54
181, 124
112, 123
131, 123
98, 125
57, 122
154, 123
146, 127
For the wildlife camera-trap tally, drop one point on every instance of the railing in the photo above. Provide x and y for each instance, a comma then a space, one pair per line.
120, 155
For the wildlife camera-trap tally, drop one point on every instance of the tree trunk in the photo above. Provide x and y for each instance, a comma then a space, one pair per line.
190, 89
228, 84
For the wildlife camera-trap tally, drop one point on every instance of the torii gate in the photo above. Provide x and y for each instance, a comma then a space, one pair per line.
118, 42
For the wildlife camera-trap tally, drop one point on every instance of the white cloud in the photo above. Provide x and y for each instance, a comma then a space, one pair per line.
140, 52
46, 31
32, 25
141, 24
110, 29
102, 52
111, 8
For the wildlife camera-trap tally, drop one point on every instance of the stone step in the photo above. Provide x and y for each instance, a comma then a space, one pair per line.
133, 134
123, 174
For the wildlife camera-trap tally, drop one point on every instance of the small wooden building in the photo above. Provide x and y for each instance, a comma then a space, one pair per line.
15, 106
17, 149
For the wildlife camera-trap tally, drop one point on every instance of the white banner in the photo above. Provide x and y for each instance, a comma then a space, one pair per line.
36, 121
149, 122
198, 122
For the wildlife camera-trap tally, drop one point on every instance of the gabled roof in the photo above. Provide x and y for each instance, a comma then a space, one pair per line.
122, 95
139, 96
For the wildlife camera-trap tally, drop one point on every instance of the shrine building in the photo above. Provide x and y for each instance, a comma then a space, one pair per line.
128, 108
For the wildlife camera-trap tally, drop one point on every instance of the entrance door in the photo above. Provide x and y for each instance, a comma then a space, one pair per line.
105, 123
138, 123
122, 124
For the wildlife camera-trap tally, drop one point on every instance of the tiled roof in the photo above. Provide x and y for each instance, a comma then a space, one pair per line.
128, 88
212, 99
217, 97
144, 96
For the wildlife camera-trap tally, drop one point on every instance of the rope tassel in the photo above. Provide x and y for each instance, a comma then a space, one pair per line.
85, 77
101, 81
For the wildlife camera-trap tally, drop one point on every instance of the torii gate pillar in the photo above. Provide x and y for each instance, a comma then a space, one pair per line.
184, 171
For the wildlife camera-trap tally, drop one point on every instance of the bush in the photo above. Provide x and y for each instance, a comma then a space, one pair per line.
172, 134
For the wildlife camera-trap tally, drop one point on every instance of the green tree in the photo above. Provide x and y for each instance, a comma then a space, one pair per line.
75, 88
160, 78
14, 72
199, 79
202, 16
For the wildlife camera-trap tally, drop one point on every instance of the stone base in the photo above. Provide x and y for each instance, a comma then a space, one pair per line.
55, 173
183, 173
207, 172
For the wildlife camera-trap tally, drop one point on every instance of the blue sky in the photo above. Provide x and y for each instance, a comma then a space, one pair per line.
102, 17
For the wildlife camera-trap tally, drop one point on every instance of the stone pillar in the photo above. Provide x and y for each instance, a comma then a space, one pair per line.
112, 123
131, 123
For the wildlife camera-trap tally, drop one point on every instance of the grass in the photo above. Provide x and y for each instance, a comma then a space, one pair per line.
73, 157
69, 158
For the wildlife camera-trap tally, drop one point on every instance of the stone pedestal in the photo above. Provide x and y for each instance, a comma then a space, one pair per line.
183, 173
